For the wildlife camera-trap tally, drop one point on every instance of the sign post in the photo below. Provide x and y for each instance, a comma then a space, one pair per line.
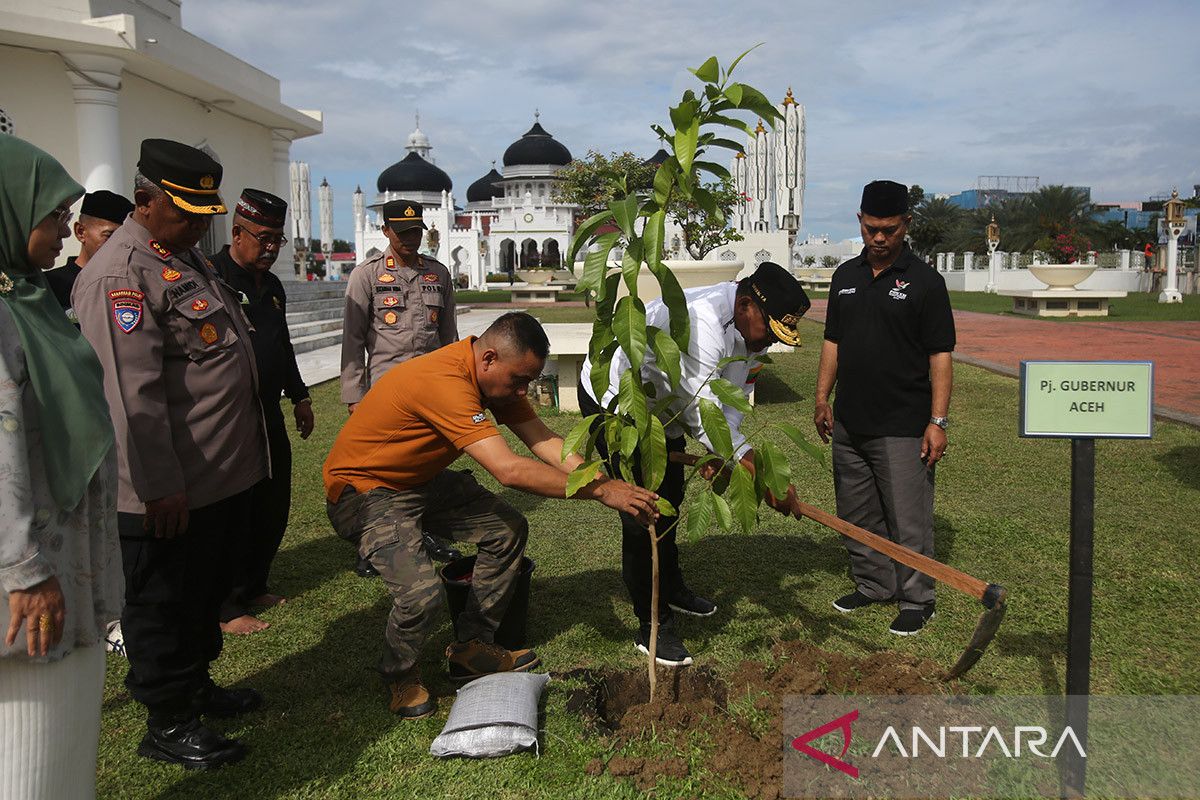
1084, 401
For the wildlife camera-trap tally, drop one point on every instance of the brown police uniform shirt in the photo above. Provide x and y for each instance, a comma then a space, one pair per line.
179, 371
393, 313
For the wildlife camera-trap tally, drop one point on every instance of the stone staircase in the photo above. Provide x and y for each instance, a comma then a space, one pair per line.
315, 313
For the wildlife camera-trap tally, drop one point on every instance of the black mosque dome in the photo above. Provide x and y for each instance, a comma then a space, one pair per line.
658, 158
413, 174
484, 189
536, 147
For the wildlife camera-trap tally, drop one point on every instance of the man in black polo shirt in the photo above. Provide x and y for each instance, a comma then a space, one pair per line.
889, 332
246, 266
101, 213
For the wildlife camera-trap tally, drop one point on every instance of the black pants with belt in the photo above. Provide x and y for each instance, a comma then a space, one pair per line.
173, 593
270, 501
636, 566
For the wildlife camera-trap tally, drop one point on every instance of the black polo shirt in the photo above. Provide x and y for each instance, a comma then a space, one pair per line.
266, 308
886, 328
61, 280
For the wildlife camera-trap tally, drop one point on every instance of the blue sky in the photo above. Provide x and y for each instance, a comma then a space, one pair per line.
921, 92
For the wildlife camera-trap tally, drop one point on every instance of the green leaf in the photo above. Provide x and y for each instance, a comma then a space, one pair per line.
684, 114
631, 265
676, 303
813, 451
629, 326
727, 360
685, 145
624, 212
578, 435
629, 441
665, 508
772, 465
595, 264
664, 180
715, 169
730, 395
724, 515
666, 354
708, 72
703, 198
716, 428
728, 144
581, 476
654, 455
699, 515
602, 367
607, 300
734, 93
738, 60
584, 232
730, 122
632, 401
652, 239
742, 498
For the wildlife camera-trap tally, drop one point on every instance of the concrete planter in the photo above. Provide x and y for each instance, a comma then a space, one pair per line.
535, 277
1062, 277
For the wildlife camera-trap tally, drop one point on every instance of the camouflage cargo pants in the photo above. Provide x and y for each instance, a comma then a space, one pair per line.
386, 526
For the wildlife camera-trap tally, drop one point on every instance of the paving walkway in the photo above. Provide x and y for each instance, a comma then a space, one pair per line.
1001, 343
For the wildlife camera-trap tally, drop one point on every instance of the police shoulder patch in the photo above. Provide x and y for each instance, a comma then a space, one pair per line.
126, 310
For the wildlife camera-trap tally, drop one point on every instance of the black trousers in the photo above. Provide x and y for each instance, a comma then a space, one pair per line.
266, 522
636, 566
173, 594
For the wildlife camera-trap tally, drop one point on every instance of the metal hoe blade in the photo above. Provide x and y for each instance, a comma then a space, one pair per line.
985, 629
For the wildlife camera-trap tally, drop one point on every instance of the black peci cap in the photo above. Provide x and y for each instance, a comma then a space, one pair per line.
401, 215
262, 208
105, 205
190, 177
782, 300
884, 199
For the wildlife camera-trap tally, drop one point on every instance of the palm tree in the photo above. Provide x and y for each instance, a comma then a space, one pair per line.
934, 223
1049, 211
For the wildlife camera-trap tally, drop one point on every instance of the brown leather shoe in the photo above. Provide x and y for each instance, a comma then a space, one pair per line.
410, 698
474, 659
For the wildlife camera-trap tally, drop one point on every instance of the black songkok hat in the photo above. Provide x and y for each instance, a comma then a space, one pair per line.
106, 205
400, 215
190, 177
262, 207
782, 300
884, 199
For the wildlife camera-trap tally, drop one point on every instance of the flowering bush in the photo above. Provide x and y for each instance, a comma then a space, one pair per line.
1066, 247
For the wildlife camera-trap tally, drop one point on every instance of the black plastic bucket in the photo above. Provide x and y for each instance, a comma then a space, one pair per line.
456, 577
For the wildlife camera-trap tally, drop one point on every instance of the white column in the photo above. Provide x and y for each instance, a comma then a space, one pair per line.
1125, 260
941, 262
968, 261
281, 145
96, 84
993, 269
1170, 293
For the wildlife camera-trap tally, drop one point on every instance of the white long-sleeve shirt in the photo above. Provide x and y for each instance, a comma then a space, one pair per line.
713, 337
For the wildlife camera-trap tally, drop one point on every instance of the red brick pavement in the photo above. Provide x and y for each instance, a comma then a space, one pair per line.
1001, 343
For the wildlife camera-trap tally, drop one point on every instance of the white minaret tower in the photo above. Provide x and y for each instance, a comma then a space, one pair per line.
789, 165
360, 221
325, 199
301, 207
760, 183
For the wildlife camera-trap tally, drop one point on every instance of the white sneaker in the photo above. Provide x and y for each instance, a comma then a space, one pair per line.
114, 640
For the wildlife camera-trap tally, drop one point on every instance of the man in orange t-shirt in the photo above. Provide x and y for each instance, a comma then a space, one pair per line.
386, 478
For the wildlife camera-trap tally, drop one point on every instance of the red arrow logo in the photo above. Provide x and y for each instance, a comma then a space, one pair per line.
842, 723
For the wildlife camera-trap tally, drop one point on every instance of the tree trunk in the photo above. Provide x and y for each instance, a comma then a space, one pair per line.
653, 609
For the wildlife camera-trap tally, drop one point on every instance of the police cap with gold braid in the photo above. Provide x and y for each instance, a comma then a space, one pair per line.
401, 215
190, 177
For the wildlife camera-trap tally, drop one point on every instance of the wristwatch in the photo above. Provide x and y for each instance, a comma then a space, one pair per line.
941, 422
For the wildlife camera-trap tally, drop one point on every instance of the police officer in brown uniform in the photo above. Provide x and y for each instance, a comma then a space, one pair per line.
399, 305
182, 391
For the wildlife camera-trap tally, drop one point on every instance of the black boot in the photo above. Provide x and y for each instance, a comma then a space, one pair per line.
216, 701
437, 549
364, 569
183, 740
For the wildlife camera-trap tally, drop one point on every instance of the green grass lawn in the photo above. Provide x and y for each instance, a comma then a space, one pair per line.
1001, 514
1136, 307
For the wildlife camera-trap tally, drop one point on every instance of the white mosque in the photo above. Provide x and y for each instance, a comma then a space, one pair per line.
511, 218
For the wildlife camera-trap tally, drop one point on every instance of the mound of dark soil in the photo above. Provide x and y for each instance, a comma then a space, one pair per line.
616, 704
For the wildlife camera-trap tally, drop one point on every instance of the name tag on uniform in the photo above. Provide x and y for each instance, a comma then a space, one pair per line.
847, 291
187, 287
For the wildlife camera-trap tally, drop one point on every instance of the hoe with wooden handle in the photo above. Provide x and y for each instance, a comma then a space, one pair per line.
993, 596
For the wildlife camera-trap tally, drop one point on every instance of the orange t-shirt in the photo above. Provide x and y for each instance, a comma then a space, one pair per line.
414, 422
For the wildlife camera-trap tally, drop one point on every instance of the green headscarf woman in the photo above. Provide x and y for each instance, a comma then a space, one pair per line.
35, 197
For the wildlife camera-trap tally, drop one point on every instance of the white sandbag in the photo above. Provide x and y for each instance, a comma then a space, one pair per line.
495, 715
